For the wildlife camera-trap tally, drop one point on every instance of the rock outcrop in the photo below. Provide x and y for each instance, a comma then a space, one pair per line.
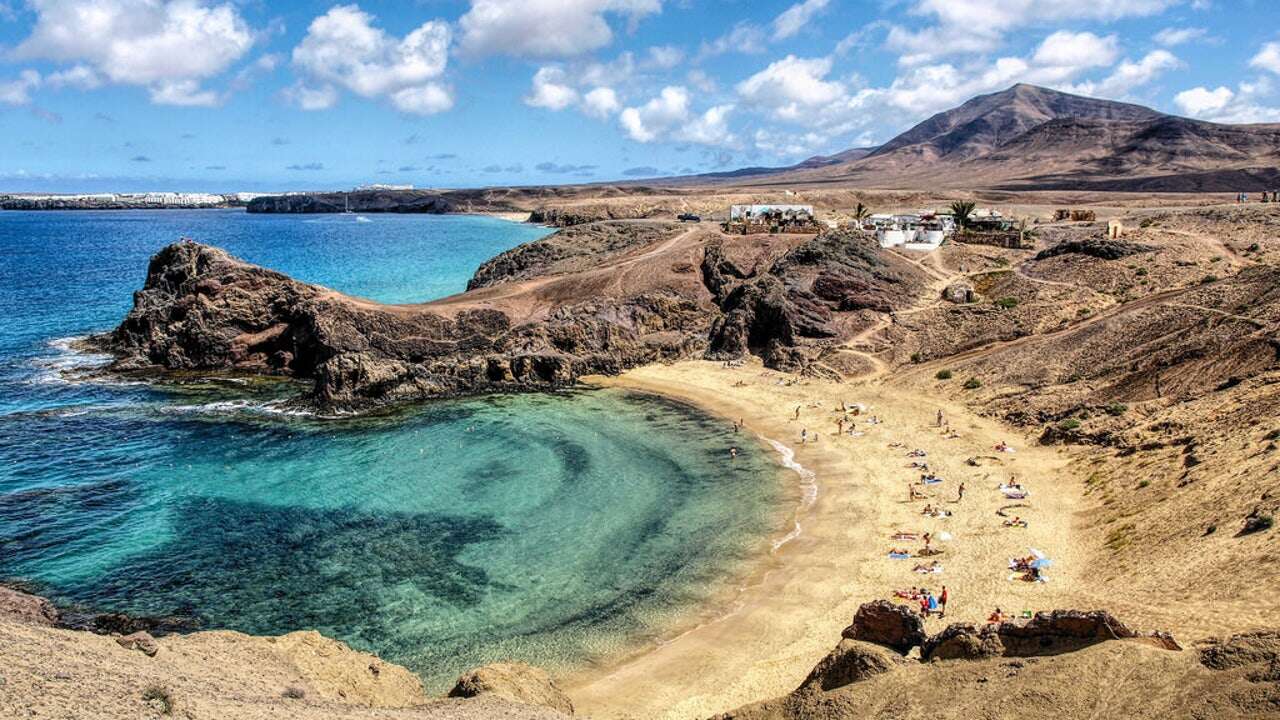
1101, 249
1046, 633
591, 300
516, 682
203, 310
21, 607
889, 624
806, 300
850, 662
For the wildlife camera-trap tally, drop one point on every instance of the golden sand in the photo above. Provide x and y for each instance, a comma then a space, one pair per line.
765, 642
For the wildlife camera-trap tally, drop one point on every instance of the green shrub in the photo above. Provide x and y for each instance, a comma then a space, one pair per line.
1143, 484
293, 692
916, 357
943, 375
1008, 303
1117, 409
972, 384
1069, 424
1141, 272
1209, 279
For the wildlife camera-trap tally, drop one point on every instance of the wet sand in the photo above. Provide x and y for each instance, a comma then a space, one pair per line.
766, 639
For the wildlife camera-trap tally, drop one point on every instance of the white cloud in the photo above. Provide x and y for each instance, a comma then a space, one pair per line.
551, 90
657, 117
166, 46
427, 99
545, 28
665, 57
308, 98
965, 26
342, 48
743, 37
1201, 101
183, 93
1130, 75
18, 91
1268, 58
1173, 37
795, 18
1246, 104
669, 117
792, 87
80, 76
1076, 50
709, 128
601, 103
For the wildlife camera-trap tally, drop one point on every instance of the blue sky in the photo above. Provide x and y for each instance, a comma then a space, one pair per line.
251, 95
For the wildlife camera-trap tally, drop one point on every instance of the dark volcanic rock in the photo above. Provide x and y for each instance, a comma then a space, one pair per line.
363, 201
800, 300
201, 309
22, 607
850, 662
889, 624
576, 248
596, 299
1102, 249
963, 641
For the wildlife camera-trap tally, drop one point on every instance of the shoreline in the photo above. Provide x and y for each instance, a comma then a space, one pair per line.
764, 643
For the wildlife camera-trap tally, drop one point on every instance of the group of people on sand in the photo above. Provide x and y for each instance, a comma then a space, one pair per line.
929, 603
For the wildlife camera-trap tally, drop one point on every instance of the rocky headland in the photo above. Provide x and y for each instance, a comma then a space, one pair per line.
593, 299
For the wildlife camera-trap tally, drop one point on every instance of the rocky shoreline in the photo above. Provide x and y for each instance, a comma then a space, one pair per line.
593, 299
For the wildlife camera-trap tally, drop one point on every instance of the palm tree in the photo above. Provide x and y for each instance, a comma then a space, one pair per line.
861, 212
961, 210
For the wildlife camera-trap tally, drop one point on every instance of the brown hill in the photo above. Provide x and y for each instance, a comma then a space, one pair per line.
1033, 138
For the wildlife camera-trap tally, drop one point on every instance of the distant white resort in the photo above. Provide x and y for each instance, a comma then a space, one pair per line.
923, 231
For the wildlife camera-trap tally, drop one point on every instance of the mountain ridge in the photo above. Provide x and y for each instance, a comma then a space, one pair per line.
1029, 137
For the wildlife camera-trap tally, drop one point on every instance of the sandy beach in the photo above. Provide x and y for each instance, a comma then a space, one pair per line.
791, 614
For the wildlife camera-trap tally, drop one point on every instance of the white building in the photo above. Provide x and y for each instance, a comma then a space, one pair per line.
922, 232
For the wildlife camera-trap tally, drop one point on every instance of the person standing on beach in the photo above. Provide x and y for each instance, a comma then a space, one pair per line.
942, 603
797, 412
839, 426
804, 435
960, 492
939, 418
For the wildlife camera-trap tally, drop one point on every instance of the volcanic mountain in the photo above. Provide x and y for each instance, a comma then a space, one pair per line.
1030, 138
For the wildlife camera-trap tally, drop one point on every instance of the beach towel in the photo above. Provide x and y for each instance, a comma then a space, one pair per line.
1015, 494
899, 556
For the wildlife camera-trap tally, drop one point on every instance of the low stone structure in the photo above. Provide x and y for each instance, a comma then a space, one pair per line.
960, 293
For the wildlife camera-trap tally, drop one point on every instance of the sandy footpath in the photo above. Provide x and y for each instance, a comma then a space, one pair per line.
766, 641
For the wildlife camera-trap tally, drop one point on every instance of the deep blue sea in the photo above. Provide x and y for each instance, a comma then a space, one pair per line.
553, 529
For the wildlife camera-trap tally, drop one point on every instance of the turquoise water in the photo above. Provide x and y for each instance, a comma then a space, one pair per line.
554, 529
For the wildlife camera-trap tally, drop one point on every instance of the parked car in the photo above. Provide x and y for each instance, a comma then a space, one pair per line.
689, 217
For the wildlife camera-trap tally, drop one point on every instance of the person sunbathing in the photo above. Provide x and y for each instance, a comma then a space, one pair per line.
905, 535
928, 552
996, 617
929, 568
917, 453
915, 494
899, 551
1015, 522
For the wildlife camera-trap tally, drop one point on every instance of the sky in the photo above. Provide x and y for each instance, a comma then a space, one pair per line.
250, 95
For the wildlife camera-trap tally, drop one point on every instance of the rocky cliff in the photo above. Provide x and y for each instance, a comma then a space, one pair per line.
590, 300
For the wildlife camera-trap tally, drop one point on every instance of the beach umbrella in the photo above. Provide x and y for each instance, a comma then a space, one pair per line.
1037, 553
1042, 563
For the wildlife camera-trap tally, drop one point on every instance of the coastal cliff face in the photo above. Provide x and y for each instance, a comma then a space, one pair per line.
596, 299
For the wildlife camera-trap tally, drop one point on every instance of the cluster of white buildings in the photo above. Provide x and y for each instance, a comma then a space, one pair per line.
923, 231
